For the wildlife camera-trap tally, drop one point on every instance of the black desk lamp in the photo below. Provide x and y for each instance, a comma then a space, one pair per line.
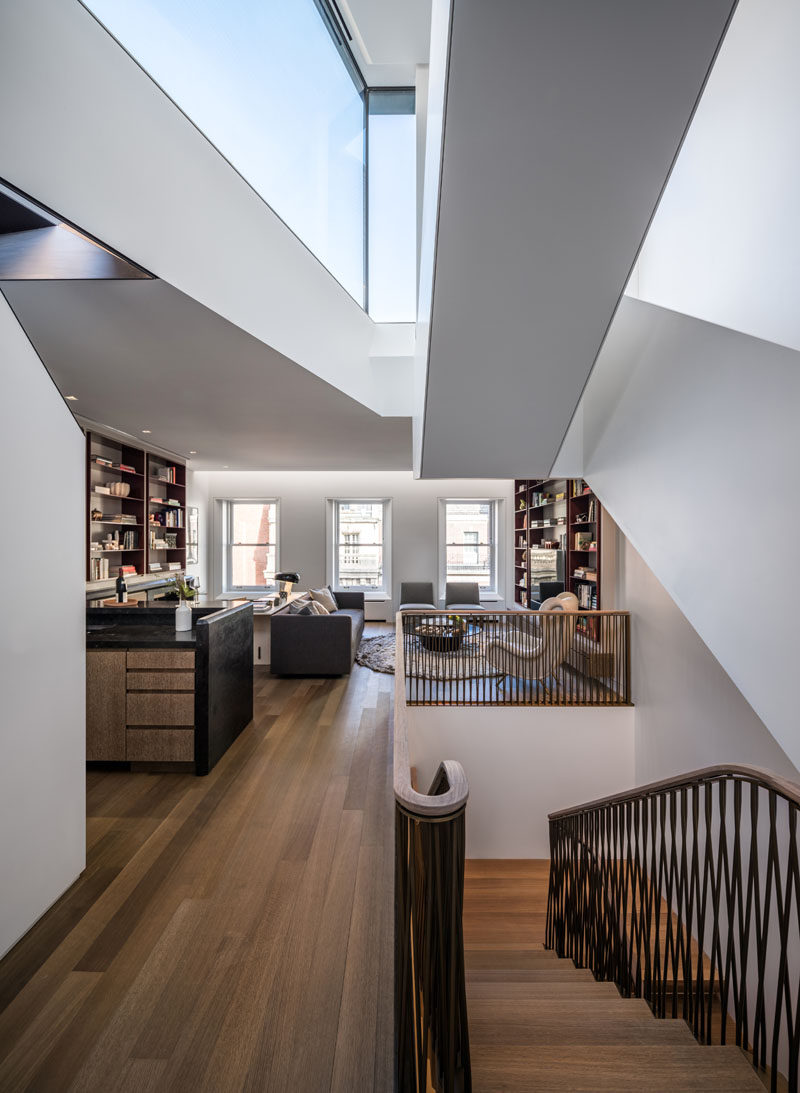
287, 580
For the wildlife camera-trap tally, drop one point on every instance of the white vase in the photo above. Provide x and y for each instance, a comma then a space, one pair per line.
183, 616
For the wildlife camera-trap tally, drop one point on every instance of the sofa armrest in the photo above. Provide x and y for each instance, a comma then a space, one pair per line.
310, 645
350, 599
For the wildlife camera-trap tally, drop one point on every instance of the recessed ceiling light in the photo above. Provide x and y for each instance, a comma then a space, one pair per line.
225, 466
192, 453
71, 398
146, 430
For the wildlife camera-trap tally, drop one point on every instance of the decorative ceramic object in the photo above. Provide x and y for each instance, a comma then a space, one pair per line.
183, 616
119, 489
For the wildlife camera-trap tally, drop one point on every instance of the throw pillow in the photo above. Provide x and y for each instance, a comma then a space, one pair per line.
318, 608
297, 607
323, 596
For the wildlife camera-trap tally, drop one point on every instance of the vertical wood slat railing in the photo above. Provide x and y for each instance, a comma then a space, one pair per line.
686, 892
516, 658
431, 1032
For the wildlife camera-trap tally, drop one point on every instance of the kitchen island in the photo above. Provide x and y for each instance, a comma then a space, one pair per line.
157, 697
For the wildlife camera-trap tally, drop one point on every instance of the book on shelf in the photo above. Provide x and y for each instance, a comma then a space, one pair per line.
124, 467
155, 567
101, 462
174, 565
128, 570
582, 540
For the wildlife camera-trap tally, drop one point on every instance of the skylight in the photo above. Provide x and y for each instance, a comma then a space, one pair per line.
266, 83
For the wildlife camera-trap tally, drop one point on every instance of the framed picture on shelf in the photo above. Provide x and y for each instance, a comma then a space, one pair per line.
192, 535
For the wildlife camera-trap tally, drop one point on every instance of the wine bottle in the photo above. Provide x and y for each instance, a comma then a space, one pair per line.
122, 588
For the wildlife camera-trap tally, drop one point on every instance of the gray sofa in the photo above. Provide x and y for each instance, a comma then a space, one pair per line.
318, 645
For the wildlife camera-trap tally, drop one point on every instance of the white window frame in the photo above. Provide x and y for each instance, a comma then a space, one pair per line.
227, 503
332, 567
494, 592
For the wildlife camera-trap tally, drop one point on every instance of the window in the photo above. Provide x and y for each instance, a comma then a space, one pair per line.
468, 534
392, 163
252, 545
271, 88
360, 539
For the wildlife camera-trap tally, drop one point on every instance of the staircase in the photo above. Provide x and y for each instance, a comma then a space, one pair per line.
538, 1023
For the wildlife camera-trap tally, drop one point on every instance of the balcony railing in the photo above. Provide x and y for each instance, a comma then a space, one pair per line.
686, 892
513, 658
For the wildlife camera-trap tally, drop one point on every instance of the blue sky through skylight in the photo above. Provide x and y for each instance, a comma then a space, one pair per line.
265, 82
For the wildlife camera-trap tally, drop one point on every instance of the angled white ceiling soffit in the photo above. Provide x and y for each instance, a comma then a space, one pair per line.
142, 355
389, 38
90, 136
561, 124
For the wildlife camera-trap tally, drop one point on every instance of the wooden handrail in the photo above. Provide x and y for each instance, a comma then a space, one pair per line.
431, 1028
790, 791
450, 772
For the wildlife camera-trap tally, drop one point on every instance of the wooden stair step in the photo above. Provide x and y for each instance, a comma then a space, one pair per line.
551, 1029
476, 959
615, 1069
592, 992
553, 973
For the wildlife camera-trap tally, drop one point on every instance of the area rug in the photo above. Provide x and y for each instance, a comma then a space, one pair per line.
468, 663
377, 653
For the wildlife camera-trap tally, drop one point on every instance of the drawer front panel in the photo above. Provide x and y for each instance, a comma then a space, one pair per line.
161, 681
160, 745
160, 709
161, 658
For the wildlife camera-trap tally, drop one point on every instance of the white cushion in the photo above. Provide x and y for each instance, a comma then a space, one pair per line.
464, 607
319, 608
323, 596
417, 607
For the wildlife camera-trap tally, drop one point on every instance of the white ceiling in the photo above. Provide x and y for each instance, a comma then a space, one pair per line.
142, 355
390, 38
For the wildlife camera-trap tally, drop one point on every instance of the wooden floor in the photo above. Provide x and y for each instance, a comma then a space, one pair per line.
539, 1023
232, 932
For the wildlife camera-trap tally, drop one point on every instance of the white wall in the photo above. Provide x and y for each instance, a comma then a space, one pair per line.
303, 535
689, 713
725, 242
42, 640
135, 172
197, 496
690, 440
522, 764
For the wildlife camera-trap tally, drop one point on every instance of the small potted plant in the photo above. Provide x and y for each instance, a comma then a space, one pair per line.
178, 588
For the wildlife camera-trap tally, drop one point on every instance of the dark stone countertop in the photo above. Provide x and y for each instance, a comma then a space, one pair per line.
151, 626
157, 636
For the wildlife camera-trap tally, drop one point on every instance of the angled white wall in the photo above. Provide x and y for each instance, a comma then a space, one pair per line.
561, 124
689, 437
725, 242
92, 137
42, 640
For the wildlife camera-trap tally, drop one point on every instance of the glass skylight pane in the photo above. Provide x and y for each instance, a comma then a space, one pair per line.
265, 82
392, 207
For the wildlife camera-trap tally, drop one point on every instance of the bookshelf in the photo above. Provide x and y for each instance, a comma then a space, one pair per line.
166, 515
135, 510
562, 516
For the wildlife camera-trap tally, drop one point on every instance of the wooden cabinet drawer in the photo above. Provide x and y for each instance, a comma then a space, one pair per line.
105, 704
160, 745
161, 681
160, 709
161, 658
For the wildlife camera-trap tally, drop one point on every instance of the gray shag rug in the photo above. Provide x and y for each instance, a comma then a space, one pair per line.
377, 653
468, 663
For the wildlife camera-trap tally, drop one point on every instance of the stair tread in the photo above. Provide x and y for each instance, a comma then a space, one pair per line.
552, 1030
617, 1068
511, 958
599, 993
